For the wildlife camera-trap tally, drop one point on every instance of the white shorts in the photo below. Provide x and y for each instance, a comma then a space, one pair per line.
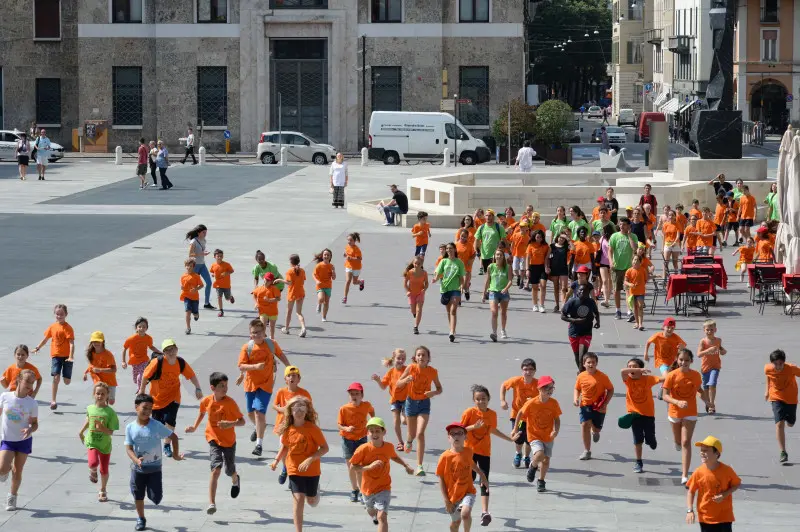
378, 501
545, 447
518, 264
679, 419
674, 248
356, 273
468, 501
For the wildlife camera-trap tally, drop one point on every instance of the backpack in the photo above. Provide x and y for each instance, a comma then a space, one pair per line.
496, 228
160, 364
270, 344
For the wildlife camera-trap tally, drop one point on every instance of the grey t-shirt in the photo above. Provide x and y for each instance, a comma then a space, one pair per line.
198, 248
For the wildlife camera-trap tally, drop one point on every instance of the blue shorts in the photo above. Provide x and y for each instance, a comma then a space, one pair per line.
589, 414
447, 296
420, 250
349, 446
191, 305
416, 407
61, 366
710, 378
257, 401
22, 446
397, 406
499, 296
664, 369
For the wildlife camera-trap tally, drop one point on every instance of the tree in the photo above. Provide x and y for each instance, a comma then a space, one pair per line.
554, 120
523, 120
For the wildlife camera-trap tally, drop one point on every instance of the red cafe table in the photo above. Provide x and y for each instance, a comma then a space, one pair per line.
689, 259
716, 271
791, 287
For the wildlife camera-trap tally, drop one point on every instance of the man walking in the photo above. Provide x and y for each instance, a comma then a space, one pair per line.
622, 246
189, 147
605, 116
604, 143
143, 155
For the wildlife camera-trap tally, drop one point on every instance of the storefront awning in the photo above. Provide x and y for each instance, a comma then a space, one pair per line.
687, 106
661, 98
671, 106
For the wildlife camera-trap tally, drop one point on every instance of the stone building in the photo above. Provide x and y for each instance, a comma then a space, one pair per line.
151, 68
630, 68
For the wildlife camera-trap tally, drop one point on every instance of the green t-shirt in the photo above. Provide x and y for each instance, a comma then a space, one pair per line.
452, 270
772, 201
737, 193
621, 250
490, 238
108, 418
259, 272
574, 225
556, 226
498, 279
598, 225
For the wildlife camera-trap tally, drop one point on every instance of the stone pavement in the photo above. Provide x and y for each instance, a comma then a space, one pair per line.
109, 272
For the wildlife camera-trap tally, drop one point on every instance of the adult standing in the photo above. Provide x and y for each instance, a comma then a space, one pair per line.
23, 151
397, 205
142, 156
42, 153
487, 238
197, 251
772, 204
622, 246
525, 157
339, 178
152, 161
162, 162
189, 146
719, 183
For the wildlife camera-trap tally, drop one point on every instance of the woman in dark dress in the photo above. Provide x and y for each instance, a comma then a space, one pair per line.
555, 267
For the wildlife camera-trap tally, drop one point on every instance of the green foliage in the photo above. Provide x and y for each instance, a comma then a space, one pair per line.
523, 120
554, 120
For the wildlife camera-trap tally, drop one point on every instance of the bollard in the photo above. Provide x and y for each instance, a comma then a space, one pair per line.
446, 155
201, 153
283, 157
647, 158
364, 156
118, 155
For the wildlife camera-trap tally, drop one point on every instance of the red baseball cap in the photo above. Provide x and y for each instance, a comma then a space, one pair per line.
669, 322
452, 426
355, 386
762, 230
583, 269
600, 198
545, 380
269, 276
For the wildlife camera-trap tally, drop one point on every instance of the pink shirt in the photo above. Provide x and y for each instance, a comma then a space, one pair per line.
142, 154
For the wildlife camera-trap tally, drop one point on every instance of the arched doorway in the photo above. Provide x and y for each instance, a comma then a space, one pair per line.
768, 105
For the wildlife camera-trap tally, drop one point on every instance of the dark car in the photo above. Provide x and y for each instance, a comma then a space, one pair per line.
596, 136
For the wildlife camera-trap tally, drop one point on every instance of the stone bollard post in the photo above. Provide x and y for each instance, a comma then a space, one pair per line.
201, 153
446, 154
282, 162
118, 155
364, 156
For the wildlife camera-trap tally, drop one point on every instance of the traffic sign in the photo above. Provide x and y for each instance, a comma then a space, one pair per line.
789, 98
227, 134
447, 105
464, 100
648, 87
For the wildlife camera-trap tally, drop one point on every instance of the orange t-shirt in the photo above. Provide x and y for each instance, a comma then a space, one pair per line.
537, 253
221, 271
12, 371
709, 362
764, 250
639, 397
746, 254
470, 238
595, 213
747, 205
707, 483
324, 275
262, 293
354, 416
223, 410
705, 227
302, 442
137, 347
782, 384
683, 386
416, 282
104, 360
422, 238
374, 480
538, 227
592, 387
733, 208
354, 262
521, 392
697, 213
691, 239
665, 348
422, 380
480, 440
649, 221
680, 222
390, 381
259, 379
465, 252
519, 242
167, 389
61, 335
772, 237
282, 397
456, 471
188, 282
297, 278
540, 418
478, 222
719, 213
638, 278
670, 231
583, 252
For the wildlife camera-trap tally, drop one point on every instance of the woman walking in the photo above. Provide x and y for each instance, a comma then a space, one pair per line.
162, 162
23, 151
451, 272
339, 177
197, 252
498, 281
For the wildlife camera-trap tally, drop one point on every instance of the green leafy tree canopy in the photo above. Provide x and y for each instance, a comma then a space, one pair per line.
554, 119
523, 120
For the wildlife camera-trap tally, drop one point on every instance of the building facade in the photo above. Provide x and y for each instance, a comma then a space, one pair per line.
657, 37
629, 69
152, 68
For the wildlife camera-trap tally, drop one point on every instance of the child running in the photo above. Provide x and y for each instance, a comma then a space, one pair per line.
352, 264
764, 247
420, 376
523, 387
465, 250
592, 394
710, 350
267, 297
540, 419
415, 281
302, 446
498, 282
20, 419
397, 395
223, 416
714, 484
352, 422
781, 392
221, 271
295, 277
371, 462
102, 366
480, 422
262, 267
421, 233
640, 407
666, 345
580, 311
324, 275
746, 255
455, 469
636, 283
138, 344
9, 378
101, 421
519, 245
191, 283
62, 350
451, 271
142, 443
291, 376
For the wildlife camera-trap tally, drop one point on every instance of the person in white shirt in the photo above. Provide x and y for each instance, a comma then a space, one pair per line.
339, 177
19, 419
42, 153
525, 157
189, 147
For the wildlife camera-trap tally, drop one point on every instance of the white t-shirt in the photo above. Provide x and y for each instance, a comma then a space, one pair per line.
338, 173
190, 140
525, 157
17, 413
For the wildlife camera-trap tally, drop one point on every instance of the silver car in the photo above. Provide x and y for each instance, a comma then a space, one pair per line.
616, 134
8, 146
299, 148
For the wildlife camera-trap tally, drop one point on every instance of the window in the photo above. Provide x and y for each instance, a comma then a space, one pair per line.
474, 85
387, 10
127, 96
47, 19
769, 10
298, 4
637, 92
615, 52
635, 10
451, 129
48, 101
212, 95
658, 59
126, 11
769, 45
387, 89
634, 50
473, 11
213, 11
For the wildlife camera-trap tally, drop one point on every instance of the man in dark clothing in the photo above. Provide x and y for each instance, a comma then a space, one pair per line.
719, 183
580, 311
397, 205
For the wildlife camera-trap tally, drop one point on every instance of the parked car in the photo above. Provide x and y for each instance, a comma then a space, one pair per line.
626, 117
299, 148
595, 111
8, 146
643, 126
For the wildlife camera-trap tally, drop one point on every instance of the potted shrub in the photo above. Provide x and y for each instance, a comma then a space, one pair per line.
553, 125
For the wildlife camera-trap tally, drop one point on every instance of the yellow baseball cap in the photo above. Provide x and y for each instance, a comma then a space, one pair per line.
97, 336
710, 441
291, 370
489, 211
169, 342
376, 422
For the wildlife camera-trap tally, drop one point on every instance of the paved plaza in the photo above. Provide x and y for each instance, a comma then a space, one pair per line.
89, 238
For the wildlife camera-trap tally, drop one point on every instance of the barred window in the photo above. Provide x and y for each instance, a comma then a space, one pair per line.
127, 92
387, 10
387, 89
48, 100
212, 96
212, 11
126, 11
46, 19
473, 11
298, 4
474, 85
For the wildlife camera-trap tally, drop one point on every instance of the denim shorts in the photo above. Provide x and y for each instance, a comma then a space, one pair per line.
418, 407
61, 366
447, 296
587, 413
710, 378
499, 296
191, 305
420, 250
349, 446
397, 406
257, 401
224, 292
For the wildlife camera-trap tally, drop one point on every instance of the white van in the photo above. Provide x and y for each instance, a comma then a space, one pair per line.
402, 136
626, 117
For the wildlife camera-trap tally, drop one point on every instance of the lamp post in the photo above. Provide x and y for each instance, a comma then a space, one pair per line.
455, 130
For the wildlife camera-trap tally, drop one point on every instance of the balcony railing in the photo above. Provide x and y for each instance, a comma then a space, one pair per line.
298, 4
769, 13
653, 36
679, 44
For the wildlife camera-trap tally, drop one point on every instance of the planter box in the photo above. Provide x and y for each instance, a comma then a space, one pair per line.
558, 156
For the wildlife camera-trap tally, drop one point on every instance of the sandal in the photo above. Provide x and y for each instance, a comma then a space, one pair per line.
399, 446
102, 496
93, 476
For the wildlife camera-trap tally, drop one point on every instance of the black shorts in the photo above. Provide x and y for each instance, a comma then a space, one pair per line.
308, 486
644, 430
784, 412
523, 432
720, 228
222, 456
147, 484
485, 263
746, 222
22, 160
484, 463
167, 415
716, 527
733, 226
536, 273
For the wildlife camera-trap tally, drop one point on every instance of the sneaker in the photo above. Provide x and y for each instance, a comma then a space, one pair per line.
653, 444
344, 301
678, 447
168, 450
324, 320
220, 314
517, 461
452, 338
209, 306
605, 304
285, 330
541, 487
53, 405
536, 308
319, 308
420, 471
302, 333
585, 455
466, 295
253, 437
154, 185
493, 336
638, 467
595, 437
212, 509
503, 334
684, 480
354, 496
556, 309
3, 478
661, 394
531, 474
485, 519
141, 524
257, 450
375, 521
361, 285
196, 317
631, 318
541, 309
283, 476
188, 330
236, 488
416, 330
11, 503
386, 224
481, 271
618, 315
784, 458
232, 300
527, 461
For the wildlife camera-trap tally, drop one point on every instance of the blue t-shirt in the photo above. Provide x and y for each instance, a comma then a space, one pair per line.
146, 442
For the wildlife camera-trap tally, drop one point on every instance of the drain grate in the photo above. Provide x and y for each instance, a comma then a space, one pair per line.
142, 247
622, 346
654, 481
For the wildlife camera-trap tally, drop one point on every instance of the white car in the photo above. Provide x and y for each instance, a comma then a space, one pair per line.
626, 117
8, 146
595, 111
299, 148
616, 135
